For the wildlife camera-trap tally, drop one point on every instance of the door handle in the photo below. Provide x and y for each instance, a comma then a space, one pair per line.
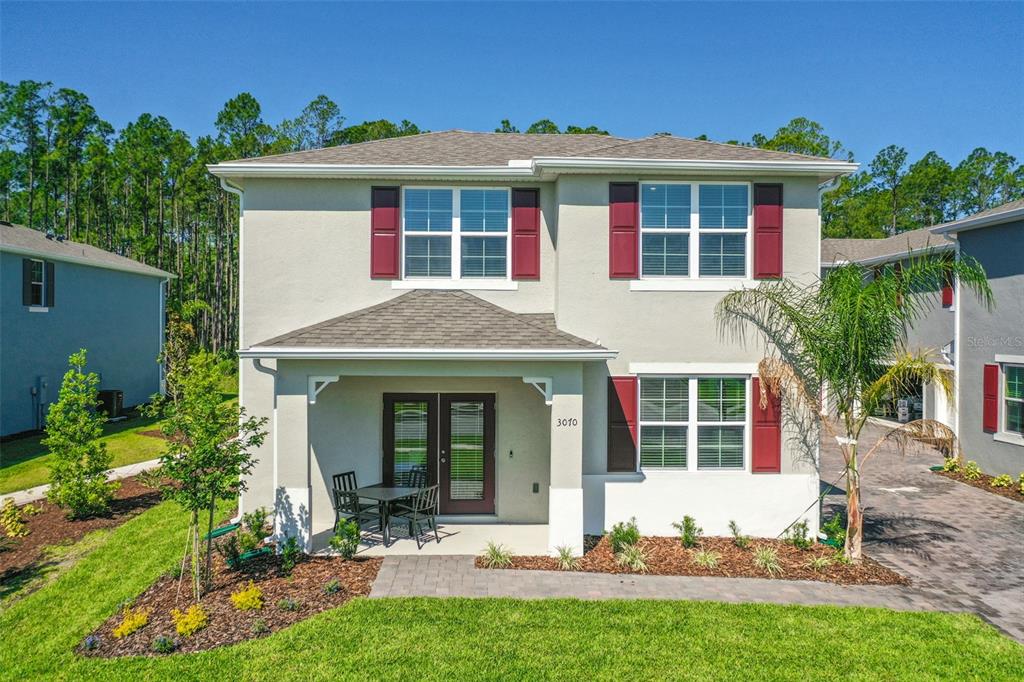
443, 460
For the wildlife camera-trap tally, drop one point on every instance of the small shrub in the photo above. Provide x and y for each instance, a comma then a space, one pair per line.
835, 530
175, 571
689, 532
260, 628
346, 539
566, 560
90, 643
707, 559
230, 549
819, 563
245, 540
12, 519
332, 587
624, 534
951, 464
249, 598
287, 604
187, 623
151, 478
739, 539
1020, 480
767, 559
497, 556
840, 557
633, 558
256, 522
131, 620
290, 554
797, 535
164, 645
972, 472
1001, 481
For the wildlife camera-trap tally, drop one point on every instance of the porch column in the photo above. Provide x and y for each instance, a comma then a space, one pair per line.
292, 487
565, 497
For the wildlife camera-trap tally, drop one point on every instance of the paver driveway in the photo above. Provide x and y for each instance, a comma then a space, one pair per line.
957, 542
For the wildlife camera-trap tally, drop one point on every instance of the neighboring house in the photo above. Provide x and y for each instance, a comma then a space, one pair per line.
982, 348
60, 296
990, 342
932, 333
528, 318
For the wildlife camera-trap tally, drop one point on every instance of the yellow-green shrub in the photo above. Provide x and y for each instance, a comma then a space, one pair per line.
972, 472
249, 598
131, 620
189, 622
1001, 481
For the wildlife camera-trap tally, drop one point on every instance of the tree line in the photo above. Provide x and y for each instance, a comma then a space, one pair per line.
143, 191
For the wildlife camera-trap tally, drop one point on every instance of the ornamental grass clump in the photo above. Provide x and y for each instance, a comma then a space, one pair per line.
567, 561
131, 620
767, 559
164, 645
624, 534
249, 598
706, 558
287, 604
497, 556
633, 558
819, 563
689, 531
189, 622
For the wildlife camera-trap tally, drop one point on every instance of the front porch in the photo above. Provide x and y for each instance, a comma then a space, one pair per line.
461, 539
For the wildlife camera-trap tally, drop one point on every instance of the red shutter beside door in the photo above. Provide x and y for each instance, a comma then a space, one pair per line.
623, 208
767, 231
622, 424
525, 234
385, 237
990, 399
767, 431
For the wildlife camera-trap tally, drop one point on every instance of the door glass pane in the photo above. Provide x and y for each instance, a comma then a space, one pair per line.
467, 450
410, 439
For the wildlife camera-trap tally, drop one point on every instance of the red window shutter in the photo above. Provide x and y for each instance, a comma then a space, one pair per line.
623, 209
990, 399
622, 425
525, 234
767, 431
385, 237
767, 231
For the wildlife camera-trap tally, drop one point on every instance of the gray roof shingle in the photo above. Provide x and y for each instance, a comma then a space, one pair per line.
464, 148
27, 239
435, 319
856, 250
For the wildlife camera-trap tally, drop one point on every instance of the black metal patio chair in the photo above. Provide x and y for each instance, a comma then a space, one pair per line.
347, 507
418, 510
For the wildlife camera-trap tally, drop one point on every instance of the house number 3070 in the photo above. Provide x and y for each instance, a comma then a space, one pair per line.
571, 421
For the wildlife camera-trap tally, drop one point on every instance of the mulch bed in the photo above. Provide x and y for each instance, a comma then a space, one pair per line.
667, 556
985, 483
227, 624
52, 527
153, 433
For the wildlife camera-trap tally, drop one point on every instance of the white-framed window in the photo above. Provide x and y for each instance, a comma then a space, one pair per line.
695, 230
1013, 399
37, 282
456, 233
706, 415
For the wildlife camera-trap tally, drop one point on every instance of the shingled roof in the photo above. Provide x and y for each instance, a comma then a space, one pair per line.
464, 148
424, 319
888, 248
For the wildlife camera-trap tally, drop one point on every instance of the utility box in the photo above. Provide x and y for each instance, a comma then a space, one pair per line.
111, 402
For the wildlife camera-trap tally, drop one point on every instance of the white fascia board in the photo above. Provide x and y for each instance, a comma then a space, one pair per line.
692, 368
612, 164
330, 170
47, 255
285, 353
981, 221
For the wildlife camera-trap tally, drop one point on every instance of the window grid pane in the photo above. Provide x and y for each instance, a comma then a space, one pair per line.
666, 254
665, 206
721, 400
663, 447
719, 447
664, 400
428, 256
1014, 382
428, 210
483, 256
1015, 416
723, 255
723, 206
483, 210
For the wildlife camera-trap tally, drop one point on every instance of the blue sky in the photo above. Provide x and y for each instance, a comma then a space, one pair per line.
947, 77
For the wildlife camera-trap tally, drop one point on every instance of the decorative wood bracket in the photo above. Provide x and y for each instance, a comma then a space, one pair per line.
317, 384
543, 384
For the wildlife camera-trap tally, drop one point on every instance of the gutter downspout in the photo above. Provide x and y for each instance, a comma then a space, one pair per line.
956, 335
241, 210
258, 365
823, 189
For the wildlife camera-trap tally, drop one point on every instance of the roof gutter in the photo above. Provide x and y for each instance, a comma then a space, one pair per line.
612, 164
288, 353
330, 170
980, 221
49, 255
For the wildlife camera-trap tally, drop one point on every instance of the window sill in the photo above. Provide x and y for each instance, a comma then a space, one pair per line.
1011, 438
38, 309
722, 284
456, 284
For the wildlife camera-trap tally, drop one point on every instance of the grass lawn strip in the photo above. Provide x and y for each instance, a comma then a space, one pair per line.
495, 638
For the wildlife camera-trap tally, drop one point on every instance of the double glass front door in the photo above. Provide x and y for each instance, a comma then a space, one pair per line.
449, 437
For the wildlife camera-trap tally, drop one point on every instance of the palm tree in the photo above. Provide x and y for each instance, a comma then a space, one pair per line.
847, 333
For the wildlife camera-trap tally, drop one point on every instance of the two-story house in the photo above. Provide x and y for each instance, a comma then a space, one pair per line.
528, 318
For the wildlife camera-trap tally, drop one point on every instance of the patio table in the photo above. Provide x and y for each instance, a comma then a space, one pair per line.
384, 496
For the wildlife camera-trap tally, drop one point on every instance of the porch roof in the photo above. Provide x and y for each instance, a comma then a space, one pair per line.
432, 324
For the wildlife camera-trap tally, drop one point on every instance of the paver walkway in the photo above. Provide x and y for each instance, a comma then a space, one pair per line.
39, 492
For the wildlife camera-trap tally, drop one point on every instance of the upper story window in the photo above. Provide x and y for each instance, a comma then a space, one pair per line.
694, 230
36, 283
1013, 399
451, 233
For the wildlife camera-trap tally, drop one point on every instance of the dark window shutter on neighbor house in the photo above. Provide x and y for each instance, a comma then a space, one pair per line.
990, 399
385, 221
49, 277
622, 405
525, 234
767, 431
623, 209
767, 231
26, 281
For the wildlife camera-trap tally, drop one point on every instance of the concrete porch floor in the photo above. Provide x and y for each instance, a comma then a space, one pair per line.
460, 539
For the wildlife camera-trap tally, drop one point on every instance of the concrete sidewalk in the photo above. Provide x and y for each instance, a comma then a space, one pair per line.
39, 492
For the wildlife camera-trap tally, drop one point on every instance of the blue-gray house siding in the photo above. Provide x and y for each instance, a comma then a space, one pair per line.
116, 315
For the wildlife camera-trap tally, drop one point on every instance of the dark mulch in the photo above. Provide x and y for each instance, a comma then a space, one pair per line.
227, 624
153, 433
667, 556
52, 527
985, 483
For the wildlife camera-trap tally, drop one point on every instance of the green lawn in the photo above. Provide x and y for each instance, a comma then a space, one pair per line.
496, 638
